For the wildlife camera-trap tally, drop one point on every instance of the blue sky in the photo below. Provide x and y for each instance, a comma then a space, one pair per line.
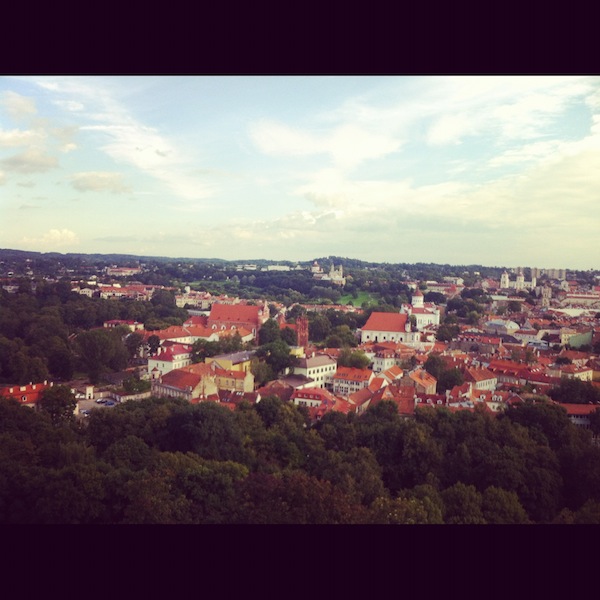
461, 170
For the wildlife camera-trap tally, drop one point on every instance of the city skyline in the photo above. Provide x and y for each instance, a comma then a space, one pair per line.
460, 170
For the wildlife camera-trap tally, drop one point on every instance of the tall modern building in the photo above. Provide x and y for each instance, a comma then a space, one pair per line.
560, 274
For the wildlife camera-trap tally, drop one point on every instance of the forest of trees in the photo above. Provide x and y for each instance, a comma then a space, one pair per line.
51, 333
168, 461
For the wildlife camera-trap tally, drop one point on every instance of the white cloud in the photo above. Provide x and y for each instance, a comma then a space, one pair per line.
18, 106
99, 181
450, 129
17, 137
55, 238
33, 160
347, 145
70, 105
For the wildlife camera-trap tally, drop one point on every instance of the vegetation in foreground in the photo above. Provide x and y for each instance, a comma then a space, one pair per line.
168, 461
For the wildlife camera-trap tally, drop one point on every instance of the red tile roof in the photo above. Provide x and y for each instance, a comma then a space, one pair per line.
379, 321
352, 374
235, 313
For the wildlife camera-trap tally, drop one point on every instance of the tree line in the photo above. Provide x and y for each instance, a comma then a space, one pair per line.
168, 461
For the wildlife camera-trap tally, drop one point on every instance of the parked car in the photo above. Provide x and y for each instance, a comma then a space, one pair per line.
110, 403
101, 401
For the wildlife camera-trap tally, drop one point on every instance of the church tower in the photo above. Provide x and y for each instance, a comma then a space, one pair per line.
302, 331
504, 281
417, 299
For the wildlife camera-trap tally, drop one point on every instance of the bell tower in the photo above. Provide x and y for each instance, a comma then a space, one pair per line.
302, 331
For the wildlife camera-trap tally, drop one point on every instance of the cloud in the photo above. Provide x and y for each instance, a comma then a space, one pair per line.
55, 238
17, 137
28, 206
117, 238
2, 178
32, 160
18, 106
99, 181
450, 129
347, 145
70, 105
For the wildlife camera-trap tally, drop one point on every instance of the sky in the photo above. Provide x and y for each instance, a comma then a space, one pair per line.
490, 170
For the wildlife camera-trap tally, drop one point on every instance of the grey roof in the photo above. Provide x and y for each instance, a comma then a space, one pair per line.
237, 357
315, 361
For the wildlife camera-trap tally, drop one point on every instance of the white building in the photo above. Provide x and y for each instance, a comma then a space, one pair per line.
519, 284
424, 313
319, 368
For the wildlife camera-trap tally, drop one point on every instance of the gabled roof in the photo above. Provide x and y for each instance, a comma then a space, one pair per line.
379, 321
238, 313
423, 377
352, 374
241, 375
181, 379
320, 360
477, 375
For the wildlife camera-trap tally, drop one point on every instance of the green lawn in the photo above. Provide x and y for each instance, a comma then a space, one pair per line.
362, 297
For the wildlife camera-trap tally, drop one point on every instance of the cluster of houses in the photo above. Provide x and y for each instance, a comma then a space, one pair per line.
501, 360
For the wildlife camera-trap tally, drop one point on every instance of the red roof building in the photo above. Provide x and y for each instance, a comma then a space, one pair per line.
236, 316
348, 380
387, 327
27, 395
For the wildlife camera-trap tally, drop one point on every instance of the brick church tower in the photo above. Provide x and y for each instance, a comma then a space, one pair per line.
302, 331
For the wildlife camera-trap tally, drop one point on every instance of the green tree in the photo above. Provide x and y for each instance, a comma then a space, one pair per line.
59, 403
269, 332
134, 342
513, 306
277, 355
448, 379
502, 507
462, 505
101, 351
153, 344
357, 359
434, 365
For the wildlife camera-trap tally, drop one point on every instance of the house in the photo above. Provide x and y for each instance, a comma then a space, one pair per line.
169, 358
320, 368
27, 395
237, 316
425, 383
235, 381
392, 374
403, 397
348, 380
189, 382
482, 379
313, 397
236, 361
201, 381
574, 372
277, 388
579, 414
132, 325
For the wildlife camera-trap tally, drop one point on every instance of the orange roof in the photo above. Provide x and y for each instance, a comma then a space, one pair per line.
238, 313
379, 321
352, 374
580, 409
422, 376
480, 374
